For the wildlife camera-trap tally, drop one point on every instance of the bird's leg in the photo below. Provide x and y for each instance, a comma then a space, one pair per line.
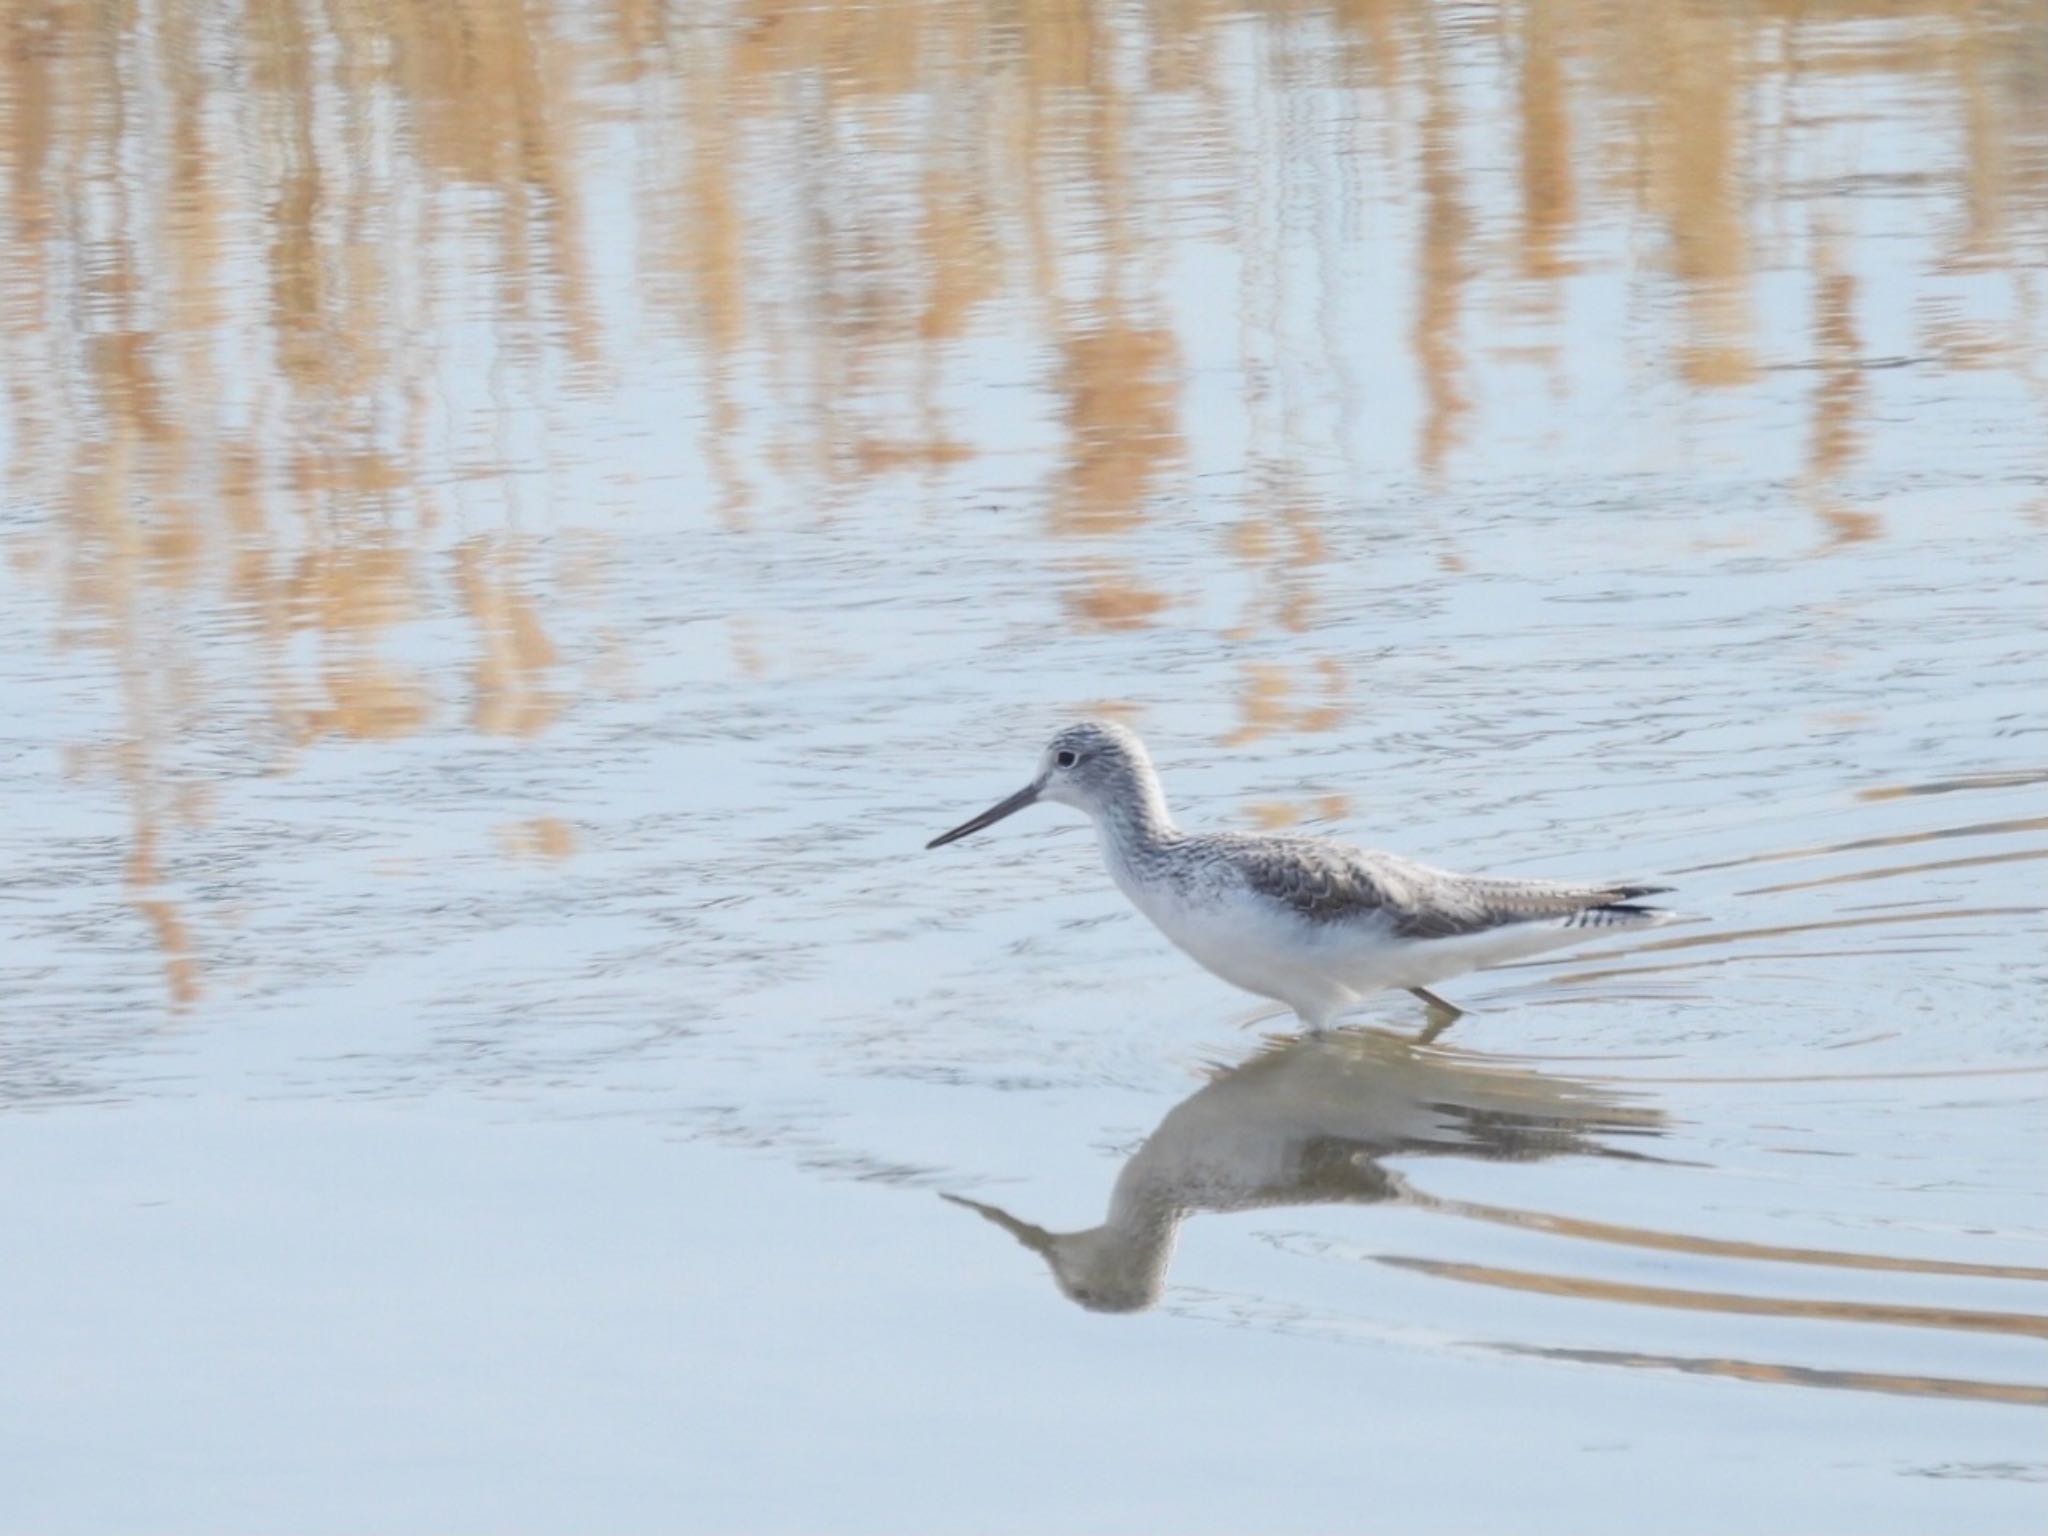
1315, 1023
1438, 1023
1442, 1015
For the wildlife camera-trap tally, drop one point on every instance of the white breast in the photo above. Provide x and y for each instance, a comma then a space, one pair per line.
1248, 940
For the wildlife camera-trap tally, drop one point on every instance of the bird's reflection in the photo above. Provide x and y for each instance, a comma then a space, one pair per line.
1305, 1122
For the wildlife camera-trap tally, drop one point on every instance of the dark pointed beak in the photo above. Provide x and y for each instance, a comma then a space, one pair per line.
988, 818
1037, 1239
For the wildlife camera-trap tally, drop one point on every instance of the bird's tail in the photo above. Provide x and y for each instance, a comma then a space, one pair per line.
1622, 914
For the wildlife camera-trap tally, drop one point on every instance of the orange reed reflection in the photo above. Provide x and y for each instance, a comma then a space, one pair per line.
1838, 399
276, 276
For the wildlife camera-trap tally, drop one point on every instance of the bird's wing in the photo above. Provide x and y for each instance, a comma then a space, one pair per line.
1328, 882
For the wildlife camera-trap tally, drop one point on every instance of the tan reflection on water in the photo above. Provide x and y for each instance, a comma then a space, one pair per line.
540, 837
1890, 1383
1725, 1248
1731, 939
241, 245
1839, 397
1894, 871
2003, 828
2021, 1324
511, 689
1910, 912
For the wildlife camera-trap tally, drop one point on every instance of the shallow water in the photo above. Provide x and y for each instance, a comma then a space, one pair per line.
522, 520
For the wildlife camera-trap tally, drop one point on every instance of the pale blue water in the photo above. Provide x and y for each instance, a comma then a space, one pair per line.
483, 1045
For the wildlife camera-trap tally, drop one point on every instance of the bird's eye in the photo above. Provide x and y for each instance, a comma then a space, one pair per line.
1065, 758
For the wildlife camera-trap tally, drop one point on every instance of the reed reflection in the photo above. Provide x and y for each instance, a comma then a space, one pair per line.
1307, 1121
288, 288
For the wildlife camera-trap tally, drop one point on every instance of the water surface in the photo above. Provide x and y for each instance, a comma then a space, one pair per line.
521, 520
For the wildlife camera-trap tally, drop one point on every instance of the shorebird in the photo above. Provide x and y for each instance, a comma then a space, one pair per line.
1306, 921
1307, 1122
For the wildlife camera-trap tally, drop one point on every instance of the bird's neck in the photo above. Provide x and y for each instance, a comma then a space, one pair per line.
1136, 821
1128, 1254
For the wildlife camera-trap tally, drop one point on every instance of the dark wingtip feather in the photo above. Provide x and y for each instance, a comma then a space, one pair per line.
1616, 913
1631, 892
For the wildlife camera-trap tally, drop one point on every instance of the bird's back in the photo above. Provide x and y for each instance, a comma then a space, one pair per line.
1325, 882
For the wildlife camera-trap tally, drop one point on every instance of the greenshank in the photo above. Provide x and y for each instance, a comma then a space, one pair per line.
1308, 922
1307, 1121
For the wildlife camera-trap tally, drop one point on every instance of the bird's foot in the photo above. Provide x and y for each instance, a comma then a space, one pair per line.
1442, 1015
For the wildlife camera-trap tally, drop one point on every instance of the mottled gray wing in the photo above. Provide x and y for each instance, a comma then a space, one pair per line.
1324, 883
1328, 883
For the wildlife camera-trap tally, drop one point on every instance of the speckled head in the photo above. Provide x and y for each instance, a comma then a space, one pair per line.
1096, 766
1093, 766
1103, 1269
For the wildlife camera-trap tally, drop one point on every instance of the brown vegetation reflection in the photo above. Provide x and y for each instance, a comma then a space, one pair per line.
1962, 1319
1769, 1373
280, 279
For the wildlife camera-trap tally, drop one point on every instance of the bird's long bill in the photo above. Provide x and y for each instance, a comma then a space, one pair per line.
988, 818
1037, 1239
